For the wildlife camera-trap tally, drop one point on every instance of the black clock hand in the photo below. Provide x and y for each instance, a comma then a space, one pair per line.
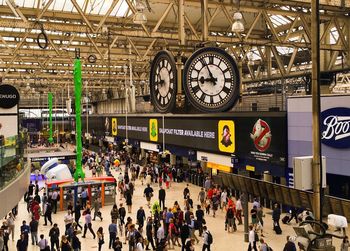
212, 79
202, 80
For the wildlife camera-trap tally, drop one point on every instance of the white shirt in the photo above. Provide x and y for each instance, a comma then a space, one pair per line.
54, 195
160, 233
139, 247
251, 237
239, 205
43, 243
68, 219
223, 197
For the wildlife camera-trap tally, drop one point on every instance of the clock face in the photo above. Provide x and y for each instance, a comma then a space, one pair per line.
211, 80
163, 81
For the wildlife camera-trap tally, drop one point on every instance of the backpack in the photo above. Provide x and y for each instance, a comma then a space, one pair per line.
230, 213
210, 238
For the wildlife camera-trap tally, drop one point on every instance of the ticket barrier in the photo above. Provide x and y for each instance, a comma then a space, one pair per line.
102, 186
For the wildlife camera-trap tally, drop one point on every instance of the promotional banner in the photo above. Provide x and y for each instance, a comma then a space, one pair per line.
258, 139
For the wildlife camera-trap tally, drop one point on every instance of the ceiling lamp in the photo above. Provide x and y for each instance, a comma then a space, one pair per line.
140, 17
237, 25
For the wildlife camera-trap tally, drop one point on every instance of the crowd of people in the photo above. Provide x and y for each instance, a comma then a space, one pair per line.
180, 224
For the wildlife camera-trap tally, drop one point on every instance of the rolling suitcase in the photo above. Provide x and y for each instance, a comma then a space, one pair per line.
285, 219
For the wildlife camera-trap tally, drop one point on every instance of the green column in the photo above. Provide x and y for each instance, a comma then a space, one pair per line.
50, 116
79, 173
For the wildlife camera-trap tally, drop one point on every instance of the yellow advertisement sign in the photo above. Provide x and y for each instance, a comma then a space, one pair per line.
223, 168
114, 127
153, 130
226, 136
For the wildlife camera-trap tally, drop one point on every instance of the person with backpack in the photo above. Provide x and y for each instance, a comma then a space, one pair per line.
264, 246
230, 219
207, 239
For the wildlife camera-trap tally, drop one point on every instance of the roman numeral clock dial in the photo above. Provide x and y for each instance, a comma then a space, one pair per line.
163, 82
211, 80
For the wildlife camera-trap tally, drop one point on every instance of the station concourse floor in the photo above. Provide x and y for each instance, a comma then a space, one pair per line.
222, 240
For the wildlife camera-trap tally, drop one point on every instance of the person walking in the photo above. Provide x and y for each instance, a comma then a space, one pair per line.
252, 239
96, 207
201, 197
263, 245
77, 214
239, 209
207, 239
11, 225
276, 215
68, 220
200, 219
43, 243
148, 193
54, 235
230, 219
140, 217
88, 224
33, 225
114, 213
149, 233
22, 244
76, 244
128, 199
54, 199
84, 198
100, 237
161, 197
112, 229
122, 214
48, 213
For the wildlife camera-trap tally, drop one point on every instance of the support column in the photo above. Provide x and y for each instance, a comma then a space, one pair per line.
324, 54
132, 97
204, 8
348, 41
269, 61
316, 143
181, 12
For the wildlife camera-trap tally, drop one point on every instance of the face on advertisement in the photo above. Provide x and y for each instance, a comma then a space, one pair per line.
226, 136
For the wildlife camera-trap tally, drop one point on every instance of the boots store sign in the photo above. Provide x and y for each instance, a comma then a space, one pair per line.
335, 127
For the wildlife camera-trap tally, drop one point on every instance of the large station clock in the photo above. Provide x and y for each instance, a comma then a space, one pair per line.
163, 82
211, 80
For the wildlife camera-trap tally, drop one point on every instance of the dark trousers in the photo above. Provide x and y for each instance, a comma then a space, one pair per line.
53, 243
86, 227
206, 247
150, 241
77, 221
294, 216
54, 206
47, 217
252, 247
112, 237
83, 202
161, 202
183, 242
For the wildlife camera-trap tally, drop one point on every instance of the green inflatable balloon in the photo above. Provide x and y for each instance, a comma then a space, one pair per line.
79, 172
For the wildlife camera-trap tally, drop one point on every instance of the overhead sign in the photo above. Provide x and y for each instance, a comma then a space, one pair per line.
9, 96
335, 127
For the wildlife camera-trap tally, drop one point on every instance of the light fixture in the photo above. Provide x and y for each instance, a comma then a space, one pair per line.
237, 25
251, 59
140, 17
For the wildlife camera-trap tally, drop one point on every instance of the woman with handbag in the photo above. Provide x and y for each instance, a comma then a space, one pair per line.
100, 238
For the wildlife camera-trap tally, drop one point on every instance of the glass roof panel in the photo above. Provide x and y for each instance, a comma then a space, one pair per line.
95, 7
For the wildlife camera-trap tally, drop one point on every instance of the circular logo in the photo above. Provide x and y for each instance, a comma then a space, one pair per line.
261, 135
9, 96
